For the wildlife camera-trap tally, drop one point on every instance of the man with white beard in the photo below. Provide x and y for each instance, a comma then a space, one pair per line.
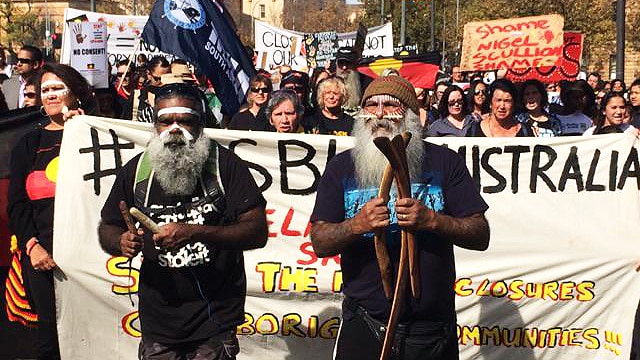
446, 209
355, 82
209, 208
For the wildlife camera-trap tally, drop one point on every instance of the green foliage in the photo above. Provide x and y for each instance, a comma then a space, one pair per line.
20, 26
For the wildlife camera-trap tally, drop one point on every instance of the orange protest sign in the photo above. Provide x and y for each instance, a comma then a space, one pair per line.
512, 43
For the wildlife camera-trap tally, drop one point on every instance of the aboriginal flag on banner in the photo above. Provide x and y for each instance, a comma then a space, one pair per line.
201, 32
567, 67
419, 70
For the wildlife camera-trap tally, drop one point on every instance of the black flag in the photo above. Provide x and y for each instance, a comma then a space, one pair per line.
200, 32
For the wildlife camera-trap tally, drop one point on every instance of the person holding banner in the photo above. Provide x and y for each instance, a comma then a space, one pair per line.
208, 210
253, 117
284, 112
34, 164
613, 108
501, 122
447, 210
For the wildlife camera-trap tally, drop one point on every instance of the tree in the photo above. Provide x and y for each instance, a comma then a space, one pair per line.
20, 26
318, 16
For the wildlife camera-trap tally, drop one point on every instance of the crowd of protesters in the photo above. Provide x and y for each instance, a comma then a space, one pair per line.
290, 101
461, 104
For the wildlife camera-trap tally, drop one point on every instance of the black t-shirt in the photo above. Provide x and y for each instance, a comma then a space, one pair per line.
198, 290
444, 186
246, 121
342, 126
33, 185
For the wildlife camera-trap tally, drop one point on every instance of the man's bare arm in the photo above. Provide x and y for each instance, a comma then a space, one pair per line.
248, 232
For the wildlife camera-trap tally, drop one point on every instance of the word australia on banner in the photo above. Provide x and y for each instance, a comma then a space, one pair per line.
557, 282
512, 43
89, 52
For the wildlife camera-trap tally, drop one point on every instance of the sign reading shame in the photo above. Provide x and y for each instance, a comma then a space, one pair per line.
517, 43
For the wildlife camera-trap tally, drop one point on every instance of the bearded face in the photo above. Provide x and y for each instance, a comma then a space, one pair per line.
384, 116
179, 149
353, 86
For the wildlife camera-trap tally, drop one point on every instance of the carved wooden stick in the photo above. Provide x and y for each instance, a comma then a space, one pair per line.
145, 220
382, 254
127, 217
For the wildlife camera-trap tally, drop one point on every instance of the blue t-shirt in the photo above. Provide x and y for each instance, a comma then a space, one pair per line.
445, 186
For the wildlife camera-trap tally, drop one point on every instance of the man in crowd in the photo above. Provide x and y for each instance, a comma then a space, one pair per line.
456, 75
28, 62
593, 80
355, 82
192, 279
156, 67
446, 210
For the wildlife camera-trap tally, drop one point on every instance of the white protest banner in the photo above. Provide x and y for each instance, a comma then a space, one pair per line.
123, 34
276, 46
517, 43
557, 282
89, 52
379, 41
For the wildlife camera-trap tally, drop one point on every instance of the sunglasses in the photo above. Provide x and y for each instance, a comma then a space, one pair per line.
30, 95
478, 92
456, 102
264, 90
24, 61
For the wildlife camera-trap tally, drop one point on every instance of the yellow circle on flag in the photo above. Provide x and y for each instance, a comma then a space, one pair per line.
51, 172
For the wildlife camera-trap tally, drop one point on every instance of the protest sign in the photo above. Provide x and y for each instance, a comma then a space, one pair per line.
379, 41
89, 52
123, 35
276, 46
320, 47
512, 43
566, 68
557, 282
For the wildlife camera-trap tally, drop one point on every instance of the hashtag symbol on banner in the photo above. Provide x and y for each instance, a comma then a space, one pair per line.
98, 173
612, 341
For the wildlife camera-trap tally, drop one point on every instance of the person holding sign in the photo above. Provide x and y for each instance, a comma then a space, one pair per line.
34, 169
209, 208
501, 122
446, 210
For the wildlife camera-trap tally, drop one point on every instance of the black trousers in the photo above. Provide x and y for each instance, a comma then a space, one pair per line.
43, 300
416, 341
223, 346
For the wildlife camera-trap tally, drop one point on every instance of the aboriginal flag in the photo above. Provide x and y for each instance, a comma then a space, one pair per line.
13, 125
201, 32
419, 70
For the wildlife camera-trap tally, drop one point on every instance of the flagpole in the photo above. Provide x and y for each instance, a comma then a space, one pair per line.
133, 55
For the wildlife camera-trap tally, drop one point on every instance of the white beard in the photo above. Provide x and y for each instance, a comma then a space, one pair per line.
352, 84
178, 167
368, 159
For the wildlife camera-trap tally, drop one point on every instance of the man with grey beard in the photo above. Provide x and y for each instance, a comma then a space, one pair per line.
446, 209
209, 208
355, 82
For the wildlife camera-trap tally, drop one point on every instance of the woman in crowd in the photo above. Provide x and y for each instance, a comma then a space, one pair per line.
253, 117
611, 116
578, 109
284, 112
330, 119
501, 121
453, 110
64, 93
533, 102
477, 100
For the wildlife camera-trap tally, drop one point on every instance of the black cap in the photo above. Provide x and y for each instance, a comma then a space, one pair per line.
347, 54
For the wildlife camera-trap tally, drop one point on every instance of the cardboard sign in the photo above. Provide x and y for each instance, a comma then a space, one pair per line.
379, 41
512, 43
566, 68
89, 52
277, 46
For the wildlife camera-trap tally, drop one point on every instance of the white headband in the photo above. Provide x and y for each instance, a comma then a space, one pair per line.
177, 110
53, 82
